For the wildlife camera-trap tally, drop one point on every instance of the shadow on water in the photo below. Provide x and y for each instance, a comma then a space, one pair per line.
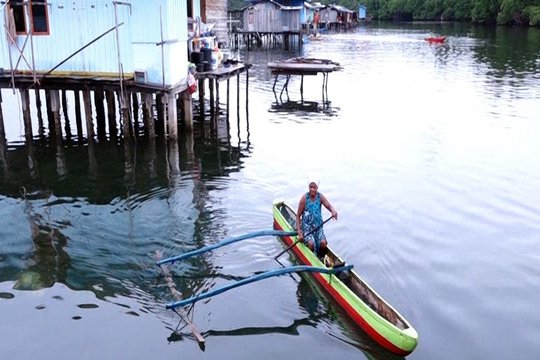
320, 310
316, 302
303, 108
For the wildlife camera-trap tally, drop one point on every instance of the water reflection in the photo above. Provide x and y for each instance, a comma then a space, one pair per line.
109, 198
48, 261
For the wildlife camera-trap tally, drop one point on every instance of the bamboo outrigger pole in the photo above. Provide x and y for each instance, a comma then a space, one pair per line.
177, 295
258, 277
226, 242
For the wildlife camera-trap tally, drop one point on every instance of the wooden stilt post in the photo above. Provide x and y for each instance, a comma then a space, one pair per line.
211, 88
25, 100
160, 115
216, 116
135, 112
41, 130
126, 120
55, 108
148, 115
78, 117
227, 109
100, 114
188, 110
111, 115
201, 101
172, 118
60, 158
238, 98
2, 128
67, 126
88, 112
3, 142
247, 91
174, 160
50, 116
126, 131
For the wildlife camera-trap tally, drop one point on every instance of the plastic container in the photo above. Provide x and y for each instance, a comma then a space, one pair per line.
196, 57
215, 60
207, 54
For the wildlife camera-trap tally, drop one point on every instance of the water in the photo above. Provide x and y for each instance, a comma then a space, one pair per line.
429, 153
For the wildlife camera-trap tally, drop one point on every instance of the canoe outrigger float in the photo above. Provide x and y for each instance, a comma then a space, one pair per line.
364, 306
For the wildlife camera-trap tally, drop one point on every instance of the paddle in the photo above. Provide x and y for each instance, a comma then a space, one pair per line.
305, 235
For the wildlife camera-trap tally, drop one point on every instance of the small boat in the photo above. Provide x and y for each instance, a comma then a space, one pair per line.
364, 306
436, 39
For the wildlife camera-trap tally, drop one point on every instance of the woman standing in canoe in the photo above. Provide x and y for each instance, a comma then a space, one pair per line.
309, 217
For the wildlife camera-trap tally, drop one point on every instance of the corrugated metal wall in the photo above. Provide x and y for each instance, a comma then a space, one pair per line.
73, 24
328, 15
147, 34
290, 20
263, 17
216, 12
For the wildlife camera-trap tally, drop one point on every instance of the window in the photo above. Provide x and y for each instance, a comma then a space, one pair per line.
38, 16
40, 20
18, 14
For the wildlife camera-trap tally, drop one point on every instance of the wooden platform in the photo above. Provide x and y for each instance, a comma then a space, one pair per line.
303, 67
214, 77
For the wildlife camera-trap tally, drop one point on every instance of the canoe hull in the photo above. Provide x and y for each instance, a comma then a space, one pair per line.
436, 39
400, 340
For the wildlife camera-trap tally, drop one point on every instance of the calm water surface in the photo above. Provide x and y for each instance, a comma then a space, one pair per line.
430, 154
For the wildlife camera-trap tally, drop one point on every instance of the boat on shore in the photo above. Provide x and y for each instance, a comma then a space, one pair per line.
362, 304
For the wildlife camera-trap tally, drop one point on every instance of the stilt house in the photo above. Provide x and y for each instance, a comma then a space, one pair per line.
272, 16
98, 39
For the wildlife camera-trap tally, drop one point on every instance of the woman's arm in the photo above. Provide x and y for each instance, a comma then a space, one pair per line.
329, 206
301, 207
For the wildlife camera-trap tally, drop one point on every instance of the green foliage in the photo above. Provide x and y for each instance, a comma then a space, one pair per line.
484, 11
503, 12
532, 12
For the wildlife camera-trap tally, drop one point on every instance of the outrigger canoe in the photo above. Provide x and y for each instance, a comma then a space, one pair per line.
365, 307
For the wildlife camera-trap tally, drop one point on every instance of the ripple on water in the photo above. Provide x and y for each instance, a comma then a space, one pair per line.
88, 306
6, 295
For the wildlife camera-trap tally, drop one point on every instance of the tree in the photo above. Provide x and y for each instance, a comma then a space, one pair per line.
484, 11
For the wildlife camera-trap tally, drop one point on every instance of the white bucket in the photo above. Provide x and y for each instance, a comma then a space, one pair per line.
214, 64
